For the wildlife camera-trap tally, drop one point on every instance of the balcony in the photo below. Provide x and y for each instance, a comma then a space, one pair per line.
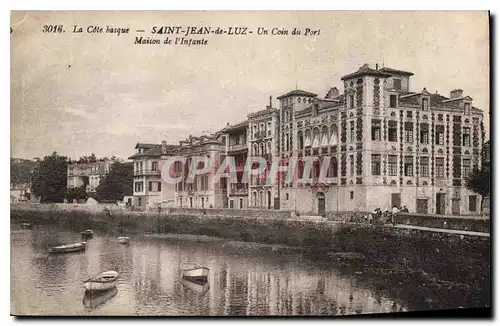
143, 172
237, 147
238, 190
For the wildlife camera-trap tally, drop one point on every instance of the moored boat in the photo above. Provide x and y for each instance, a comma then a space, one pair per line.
194, 272
102, 282
75, 247
124, 240
26, 225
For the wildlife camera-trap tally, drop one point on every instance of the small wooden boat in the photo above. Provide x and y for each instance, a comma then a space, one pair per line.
80, 246
198, 287
194, 272
102, 282
92, 300
124, 240
26, 225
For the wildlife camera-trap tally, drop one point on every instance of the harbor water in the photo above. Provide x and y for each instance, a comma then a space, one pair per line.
244, 279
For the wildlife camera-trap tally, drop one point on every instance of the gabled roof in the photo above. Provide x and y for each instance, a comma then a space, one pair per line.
366, 70
297, 92
154, 151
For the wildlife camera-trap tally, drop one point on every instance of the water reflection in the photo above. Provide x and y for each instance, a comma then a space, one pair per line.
242, 281
92, 300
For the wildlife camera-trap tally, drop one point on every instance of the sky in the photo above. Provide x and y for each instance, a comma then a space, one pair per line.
83, 93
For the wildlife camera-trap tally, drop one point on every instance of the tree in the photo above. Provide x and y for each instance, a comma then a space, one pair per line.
48, 180
116, 184
479, 182
76, 193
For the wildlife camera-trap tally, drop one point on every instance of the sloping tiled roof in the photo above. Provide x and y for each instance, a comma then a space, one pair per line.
297, 92
145, 145
366, 70
396, 71
154, 151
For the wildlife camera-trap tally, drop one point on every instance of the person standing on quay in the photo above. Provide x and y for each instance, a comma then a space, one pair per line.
395, 210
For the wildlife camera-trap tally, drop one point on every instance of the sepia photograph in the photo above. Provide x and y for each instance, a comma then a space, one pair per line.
250, 163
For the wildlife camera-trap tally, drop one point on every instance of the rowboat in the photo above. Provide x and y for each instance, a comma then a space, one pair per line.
92, 300
102, 282
194, 272
26, 225
124, 240
80, 246
198, 287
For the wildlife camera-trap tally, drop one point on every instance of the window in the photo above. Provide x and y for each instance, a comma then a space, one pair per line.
409, 132
466, 137
467, 108
393, 165
376, 162
440, 167
150, 186
393, 131
351, 165
472, 203
351, 132
408, 166
376, 130
424, 133
287, 196
315, 110
425, 104
159, 186
397, 83
138, 187
439, 135
351, 101
393, 101
424, 166
351, 194
409, 114
466, 167
154, 166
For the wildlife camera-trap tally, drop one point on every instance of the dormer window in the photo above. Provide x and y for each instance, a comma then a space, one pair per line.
315, 110
397, 83
425, 104
467, 108
393, 101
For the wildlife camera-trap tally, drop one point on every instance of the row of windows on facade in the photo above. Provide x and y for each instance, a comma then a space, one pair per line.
139, 166
291, 100
153, 186
408, 166
261, 130
394, 101
376, 135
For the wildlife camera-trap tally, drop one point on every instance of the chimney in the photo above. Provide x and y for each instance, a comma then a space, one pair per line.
164, 147
376, 66
456, 93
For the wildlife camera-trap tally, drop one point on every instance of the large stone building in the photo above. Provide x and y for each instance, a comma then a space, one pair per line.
388, 146
391, 146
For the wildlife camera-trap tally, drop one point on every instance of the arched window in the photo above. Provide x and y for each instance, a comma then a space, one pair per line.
332, 171
316, 135
261, 149
269, 147
308, 140
254, 199
334, 135
324, 136
300, 140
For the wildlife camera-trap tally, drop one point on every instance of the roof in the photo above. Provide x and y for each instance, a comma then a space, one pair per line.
396, 71
366, 70
235, 127
145, 145
155, 151
297, 92
268, 110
